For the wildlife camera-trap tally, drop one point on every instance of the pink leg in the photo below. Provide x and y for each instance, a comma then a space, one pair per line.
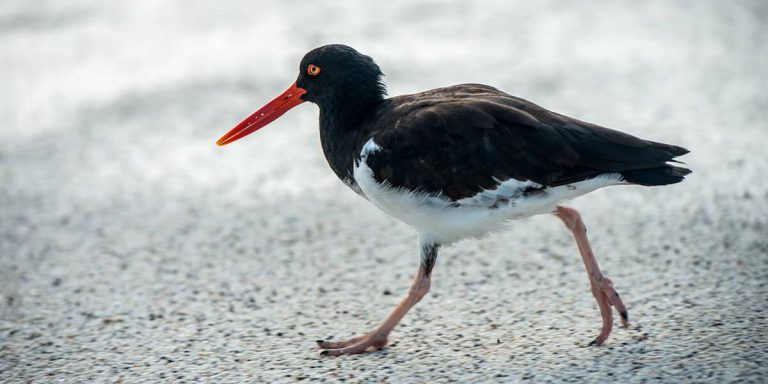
378, 338
602, 286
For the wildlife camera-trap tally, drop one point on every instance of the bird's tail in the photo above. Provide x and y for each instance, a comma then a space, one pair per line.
667, 174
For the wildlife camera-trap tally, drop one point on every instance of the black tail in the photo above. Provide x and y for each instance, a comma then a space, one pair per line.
668, 174
660, 174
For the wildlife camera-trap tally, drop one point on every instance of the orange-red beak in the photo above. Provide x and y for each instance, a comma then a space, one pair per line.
267, 114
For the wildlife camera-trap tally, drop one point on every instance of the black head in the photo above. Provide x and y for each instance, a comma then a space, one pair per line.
343, 82
335, 74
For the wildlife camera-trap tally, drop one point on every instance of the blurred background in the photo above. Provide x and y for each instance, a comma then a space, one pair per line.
134, 249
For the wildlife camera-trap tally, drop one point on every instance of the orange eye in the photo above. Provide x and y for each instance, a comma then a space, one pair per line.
313, 70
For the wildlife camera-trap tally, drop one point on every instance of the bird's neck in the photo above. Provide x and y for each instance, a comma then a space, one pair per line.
343, 127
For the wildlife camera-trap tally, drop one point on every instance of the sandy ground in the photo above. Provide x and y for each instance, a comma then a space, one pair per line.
132, 249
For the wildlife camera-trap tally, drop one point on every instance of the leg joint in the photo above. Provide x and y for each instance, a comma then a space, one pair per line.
571, 218
428, 258
419, 288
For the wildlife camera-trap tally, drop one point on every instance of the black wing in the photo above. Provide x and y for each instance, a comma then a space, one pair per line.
460, 140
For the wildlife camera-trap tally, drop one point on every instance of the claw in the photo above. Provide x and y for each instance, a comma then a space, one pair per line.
624, 318
355, 345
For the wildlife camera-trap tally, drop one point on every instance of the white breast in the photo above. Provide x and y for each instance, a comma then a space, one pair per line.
441, 220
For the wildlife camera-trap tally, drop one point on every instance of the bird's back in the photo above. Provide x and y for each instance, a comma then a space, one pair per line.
458, 141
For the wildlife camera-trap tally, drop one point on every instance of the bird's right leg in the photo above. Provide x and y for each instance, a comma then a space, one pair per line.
378, 338
602, 286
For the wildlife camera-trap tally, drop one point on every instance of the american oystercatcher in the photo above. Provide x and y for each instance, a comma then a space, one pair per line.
459, 162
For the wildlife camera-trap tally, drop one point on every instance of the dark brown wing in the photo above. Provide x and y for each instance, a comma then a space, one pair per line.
460, 140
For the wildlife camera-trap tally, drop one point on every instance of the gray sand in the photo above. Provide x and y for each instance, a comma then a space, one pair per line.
132, 249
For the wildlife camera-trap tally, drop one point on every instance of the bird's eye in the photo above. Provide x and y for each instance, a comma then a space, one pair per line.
313, 70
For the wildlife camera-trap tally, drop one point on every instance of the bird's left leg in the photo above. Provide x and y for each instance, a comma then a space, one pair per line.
602, 286
378, 338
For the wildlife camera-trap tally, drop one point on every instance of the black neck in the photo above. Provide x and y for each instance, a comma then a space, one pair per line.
343, 127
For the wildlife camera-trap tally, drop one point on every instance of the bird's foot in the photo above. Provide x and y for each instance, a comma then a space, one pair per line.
607, 297
356, 345
613, 299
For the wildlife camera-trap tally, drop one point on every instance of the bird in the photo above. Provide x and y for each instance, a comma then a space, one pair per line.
460, 162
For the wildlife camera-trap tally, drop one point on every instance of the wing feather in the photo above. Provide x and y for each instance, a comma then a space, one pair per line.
461, 140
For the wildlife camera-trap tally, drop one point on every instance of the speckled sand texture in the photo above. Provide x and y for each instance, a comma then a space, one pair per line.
132, 249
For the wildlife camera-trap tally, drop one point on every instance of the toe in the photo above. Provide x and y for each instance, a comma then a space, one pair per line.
367, 344
596, 342
329, 344
624, 318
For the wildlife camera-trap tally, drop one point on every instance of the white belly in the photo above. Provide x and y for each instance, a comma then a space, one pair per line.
437, 218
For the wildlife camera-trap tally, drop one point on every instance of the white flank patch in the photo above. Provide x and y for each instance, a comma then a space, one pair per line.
438, 219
